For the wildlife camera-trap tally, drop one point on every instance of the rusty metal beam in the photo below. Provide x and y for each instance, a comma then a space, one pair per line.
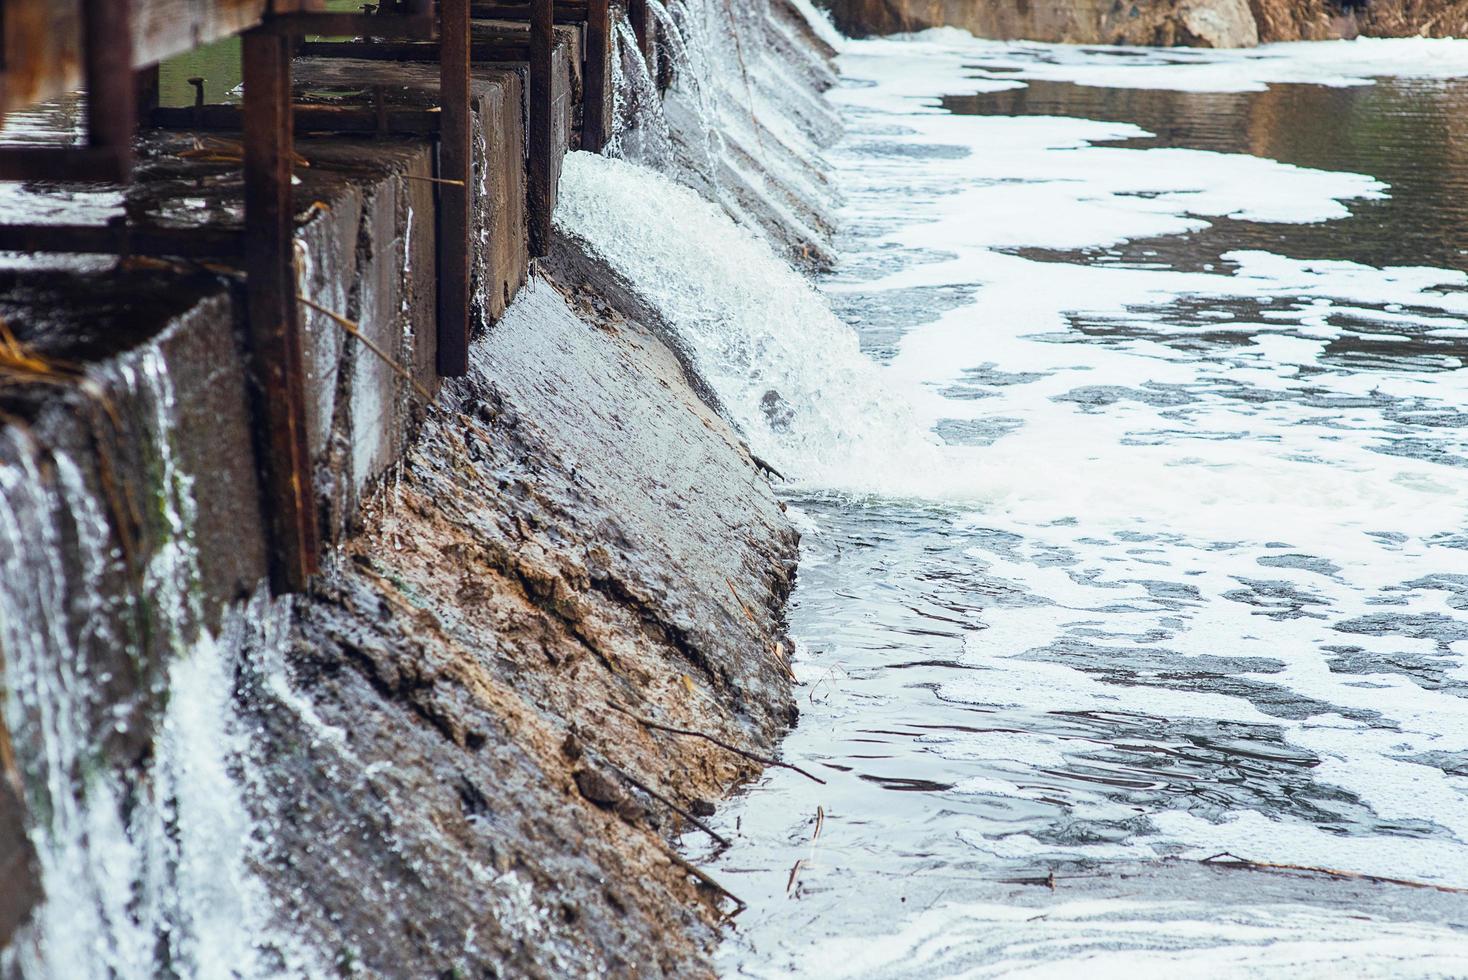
481, 51
596, 113
273, 313
455, 217
332, 24
642, 27
307, 119
566, 11
63, 163
120, 238
540, 166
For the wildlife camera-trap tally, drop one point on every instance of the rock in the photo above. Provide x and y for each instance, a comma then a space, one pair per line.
599, 788
1220, 24
1204, 23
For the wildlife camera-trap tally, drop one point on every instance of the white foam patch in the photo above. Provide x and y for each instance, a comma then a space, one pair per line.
1145, 452
1335, 64
1136, 939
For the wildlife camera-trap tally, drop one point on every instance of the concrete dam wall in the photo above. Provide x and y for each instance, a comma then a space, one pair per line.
548, 633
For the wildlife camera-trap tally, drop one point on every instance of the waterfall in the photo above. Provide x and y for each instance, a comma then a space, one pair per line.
144, 863
740, 121
763, 337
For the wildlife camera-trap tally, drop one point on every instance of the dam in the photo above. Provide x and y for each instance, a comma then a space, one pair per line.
668, 489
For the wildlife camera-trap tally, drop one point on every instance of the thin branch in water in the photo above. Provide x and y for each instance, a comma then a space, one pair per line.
704, 877
1227, 859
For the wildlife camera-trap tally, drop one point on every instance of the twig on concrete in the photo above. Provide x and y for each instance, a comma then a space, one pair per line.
753, 756
670, 804
356, 331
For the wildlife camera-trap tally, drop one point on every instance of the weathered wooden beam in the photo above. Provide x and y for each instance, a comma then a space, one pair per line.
334, 24
273, 313
112, 94
596, 114
63, 163
541, 163
308, 118
43, 38
481, 50
120, 238
455, 200
566, 11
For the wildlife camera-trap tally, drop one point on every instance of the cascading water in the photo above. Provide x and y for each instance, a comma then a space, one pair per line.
144, 868
732, 124
1182, 573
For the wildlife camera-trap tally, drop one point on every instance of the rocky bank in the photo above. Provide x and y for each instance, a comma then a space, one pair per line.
1202, 23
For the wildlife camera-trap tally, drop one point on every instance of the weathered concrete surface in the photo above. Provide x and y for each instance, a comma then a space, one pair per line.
1203, 23
17, 857
438, 774
569, 535
113, 330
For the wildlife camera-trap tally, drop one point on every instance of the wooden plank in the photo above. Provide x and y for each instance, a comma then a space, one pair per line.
43, 38
455, 201
274, 316
334, 24
541, 173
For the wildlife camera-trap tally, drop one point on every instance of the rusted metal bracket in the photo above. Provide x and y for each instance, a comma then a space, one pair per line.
566, 11
596, 15
541, 172
111, 107
309, 118
642, 27
331, 24
455, 197
119, 238
273, 313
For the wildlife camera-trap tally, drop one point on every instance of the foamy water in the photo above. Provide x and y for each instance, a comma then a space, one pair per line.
1134, 511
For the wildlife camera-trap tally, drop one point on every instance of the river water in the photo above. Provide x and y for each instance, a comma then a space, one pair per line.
1139, 534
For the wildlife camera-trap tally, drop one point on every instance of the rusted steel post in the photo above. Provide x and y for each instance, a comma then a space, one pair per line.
454, 197
595, 110
542, 127
146, 86
112, 116
642, 27
274, 315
